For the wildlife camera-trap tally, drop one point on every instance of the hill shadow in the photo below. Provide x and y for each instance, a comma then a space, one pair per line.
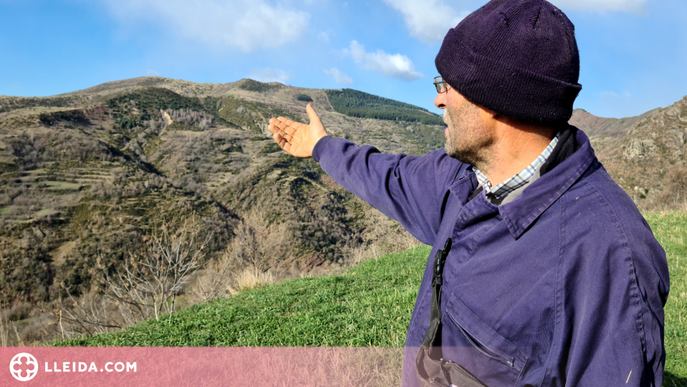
670, 380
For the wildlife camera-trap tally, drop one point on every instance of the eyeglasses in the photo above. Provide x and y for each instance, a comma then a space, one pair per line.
441, 85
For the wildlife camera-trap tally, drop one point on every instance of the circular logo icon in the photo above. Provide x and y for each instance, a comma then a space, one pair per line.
24, 367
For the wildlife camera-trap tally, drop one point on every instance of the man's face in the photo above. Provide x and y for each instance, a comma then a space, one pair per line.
468, 138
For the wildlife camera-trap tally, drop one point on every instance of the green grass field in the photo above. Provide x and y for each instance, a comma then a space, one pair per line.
671, 231
370, 305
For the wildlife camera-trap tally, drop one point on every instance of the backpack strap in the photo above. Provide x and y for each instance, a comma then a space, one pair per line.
432, 370
431, 338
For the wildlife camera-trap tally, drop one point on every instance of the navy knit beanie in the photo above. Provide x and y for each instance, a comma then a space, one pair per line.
518, 58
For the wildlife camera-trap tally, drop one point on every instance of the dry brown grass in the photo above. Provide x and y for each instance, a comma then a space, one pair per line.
383, 236
335, 366
251, 278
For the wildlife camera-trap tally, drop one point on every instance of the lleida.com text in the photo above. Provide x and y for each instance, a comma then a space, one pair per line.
81, 366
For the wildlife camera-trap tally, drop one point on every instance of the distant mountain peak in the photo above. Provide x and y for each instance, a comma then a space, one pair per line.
595, 126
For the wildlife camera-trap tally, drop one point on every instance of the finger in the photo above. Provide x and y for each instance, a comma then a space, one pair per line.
282, 126
290, 130
289, 122
272, 128
274, 121
312, 115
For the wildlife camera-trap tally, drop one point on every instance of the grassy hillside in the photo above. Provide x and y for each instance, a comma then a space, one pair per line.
670, 228
370, 305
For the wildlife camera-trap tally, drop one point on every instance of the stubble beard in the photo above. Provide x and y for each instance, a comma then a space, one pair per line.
468, 139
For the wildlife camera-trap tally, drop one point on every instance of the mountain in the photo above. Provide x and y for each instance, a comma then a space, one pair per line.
93, 181
595, 126
645, 154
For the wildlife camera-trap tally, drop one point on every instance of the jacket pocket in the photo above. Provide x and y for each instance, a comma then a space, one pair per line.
470, 342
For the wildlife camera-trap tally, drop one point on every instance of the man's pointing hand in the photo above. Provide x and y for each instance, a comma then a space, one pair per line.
296, 138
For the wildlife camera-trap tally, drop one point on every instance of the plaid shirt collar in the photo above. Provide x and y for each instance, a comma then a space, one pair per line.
517, 180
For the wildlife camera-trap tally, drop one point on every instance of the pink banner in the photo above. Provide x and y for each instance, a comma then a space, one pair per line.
72, 367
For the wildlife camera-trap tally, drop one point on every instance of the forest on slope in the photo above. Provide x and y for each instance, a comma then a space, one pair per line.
358, 104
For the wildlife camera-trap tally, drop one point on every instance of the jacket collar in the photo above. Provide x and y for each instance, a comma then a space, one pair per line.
542, 193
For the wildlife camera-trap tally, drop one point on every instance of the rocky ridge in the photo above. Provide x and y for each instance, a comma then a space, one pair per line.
644, 154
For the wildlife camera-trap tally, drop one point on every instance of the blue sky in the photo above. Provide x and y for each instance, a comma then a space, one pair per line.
633, 52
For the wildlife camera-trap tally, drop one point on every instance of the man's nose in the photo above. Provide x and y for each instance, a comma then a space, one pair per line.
440, 100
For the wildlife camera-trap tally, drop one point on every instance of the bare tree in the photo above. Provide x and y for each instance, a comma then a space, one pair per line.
86, 315
190, 117
148, 283
145, 286
257, 245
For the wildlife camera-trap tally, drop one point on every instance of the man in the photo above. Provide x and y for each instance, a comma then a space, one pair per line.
545, 272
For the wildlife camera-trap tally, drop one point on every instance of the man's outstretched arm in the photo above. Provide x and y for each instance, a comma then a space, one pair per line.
296, 138
409, 189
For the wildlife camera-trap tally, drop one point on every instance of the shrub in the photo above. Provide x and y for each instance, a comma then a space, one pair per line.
251, 85
73, 116
304, 98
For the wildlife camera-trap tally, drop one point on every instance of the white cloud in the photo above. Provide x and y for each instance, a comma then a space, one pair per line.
430, 20
323, 36
243, 24
395, 66
152, 73
612, 96
427, 20
601, 5
270, 75
338, 76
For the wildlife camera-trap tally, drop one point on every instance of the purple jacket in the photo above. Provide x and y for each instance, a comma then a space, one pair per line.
563, 286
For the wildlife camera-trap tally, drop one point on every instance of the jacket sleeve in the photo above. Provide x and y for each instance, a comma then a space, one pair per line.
409, 189
612, 286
